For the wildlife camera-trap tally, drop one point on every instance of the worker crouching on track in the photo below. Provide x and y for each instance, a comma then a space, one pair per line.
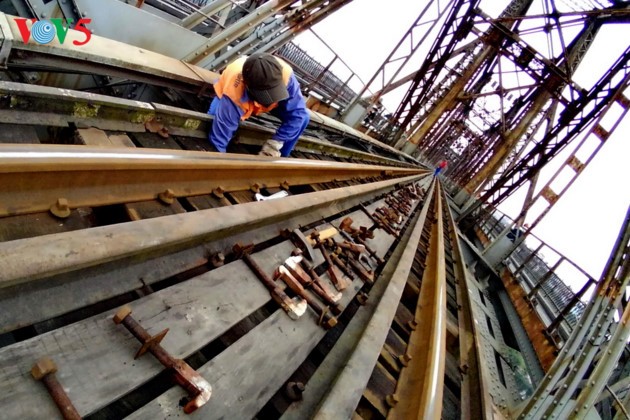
256, 85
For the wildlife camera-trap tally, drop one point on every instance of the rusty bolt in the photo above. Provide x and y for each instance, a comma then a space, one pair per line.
61, 208
218, 192
167, 196
44, 370
404, 359
392, 400
217, 260
413, 324
255, 188
294, 390
362, 298
239, 249
346, 224
43, 367
122, 314
329, 323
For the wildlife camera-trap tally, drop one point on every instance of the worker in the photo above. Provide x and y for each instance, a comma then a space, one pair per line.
440, 167
256, 85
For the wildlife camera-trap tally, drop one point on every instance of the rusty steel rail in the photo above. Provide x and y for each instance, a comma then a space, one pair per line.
475, 397
40, 257
421, 384
56, 107
35, 177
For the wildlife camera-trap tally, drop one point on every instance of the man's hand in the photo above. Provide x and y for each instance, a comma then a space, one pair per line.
271, 148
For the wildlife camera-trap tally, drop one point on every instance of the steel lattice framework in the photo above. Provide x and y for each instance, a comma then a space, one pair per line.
499, 104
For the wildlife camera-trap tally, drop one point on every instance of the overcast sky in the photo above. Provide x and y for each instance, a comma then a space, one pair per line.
585, 222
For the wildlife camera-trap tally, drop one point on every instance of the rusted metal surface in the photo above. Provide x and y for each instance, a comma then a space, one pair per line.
66, 252
44, 370
52, 106
475, 400
36, 177
198, 388
295, 307
545, 348
421, 384
341, 398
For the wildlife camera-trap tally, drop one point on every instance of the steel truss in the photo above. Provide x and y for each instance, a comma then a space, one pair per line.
493, 149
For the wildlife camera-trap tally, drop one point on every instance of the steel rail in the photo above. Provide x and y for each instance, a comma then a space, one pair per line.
421, 384
26, 260
34, 177
475, 395
51, 106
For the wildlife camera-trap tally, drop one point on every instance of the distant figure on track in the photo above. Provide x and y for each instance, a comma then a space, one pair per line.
440, 167
256, 85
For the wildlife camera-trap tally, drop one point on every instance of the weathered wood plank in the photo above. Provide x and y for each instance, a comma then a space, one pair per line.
23, 306
154, 141
121, 140
95, 357
150, 209
78, 289
92, 137
38, 224
17, 133
247, 374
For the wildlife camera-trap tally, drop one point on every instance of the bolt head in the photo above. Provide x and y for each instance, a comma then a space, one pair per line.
294, 390
392, 400
331, 322
122, 314
43, 367
167, 196
218, 259
362, 298
218, 192
61, 208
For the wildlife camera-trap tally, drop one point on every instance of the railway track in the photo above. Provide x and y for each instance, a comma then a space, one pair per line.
83, 283
116, 204
178, 261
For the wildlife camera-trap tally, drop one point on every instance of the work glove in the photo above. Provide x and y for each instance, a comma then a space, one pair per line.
271, 148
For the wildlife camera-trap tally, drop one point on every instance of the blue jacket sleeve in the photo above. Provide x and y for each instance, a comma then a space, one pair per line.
226, 118
294, 116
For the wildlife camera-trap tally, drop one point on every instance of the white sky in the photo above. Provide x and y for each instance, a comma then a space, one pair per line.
584, 224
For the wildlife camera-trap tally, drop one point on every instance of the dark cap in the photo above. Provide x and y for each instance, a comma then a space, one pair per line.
263, 76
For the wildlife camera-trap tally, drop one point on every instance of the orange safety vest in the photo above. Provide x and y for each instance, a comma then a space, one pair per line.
231, 84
